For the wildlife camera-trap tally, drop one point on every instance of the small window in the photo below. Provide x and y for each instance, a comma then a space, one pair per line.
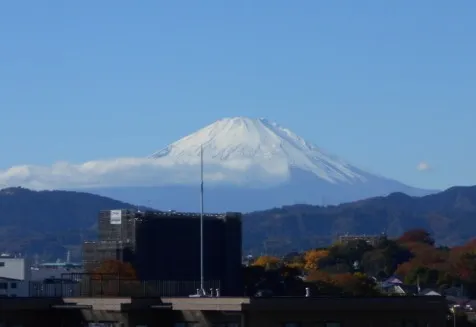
3, 286
2, 264
13, 285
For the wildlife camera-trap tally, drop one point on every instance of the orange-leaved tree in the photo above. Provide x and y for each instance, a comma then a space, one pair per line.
114, 278
356, 284
416, 236
115, 269
319, 276
267, 261
312, 257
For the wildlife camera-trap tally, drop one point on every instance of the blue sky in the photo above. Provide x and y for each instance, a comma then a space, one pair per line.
383, 84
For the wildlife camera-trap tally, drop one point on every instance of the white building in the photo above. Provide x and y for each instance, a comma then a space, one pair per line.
15, 275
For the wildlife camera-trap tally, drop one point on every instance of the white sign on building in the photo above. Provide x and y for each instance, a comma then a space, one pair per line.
116, 217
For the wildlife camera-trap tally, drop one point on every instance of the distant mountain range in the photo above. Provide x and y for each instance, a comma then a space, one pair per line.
448, 215
49, 222
253, 164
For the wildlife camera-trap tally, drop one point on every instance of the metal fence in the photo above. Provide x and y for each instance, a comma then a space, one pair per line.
118, 288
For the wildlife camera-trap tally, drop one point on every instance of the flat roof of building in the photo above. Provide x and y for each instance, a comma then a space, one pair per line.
177, 214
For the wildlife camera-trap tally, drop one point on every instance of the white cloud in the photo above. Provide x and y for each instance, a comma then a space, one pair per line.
140, 172
423, 166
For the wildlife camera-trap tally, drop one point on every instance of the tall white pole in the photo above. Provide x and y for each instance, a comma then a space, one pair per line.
202, 286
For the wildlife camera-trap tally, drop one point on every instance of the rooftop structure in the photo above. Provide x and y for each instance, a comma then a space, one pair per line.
229, 311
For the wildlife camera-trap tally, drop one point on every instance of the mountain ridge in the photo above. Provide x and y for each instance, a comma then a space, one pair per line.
448, 215
49, 222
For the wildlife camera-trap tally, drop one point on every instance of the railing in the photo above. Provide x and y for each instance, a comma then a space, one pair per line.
118, 288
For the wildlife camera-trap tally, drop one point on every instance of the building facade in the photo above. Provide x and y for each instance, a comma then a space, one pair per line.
165, 246
168, 248
15, 275
15, 267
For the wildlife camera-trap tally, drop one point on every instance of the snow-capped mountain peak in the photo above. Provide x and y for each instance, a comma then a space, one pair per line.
261, 142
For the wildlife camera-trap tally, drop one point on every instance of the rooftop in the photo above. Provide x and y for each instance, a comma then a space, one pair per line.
397, 303
172, 213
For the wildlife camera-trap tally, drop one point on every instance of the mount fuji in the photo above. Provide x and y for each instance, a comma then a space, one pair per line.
254, 164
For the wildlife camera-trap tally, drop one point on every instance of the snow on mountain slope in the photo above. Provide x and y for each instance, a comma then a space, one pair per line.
242, 141
250, 164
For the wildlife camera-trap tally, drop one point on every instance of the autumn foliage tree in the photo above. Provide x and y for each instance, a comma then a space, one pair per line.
294, 260
312, 257
268, 262
353, 267
319, 276
357, 284
114, 278
114, 269
416, 236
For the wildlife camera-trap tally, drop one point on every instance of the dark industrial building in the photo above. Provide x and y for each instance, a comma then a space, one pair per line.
165, 246
168, 247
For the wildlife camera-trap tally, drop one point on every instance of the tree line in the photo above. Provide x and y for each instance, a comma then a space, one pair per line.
354, 267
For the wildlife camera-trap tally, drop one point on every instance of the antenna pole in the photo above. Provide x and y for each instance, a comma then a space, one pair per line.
202, 286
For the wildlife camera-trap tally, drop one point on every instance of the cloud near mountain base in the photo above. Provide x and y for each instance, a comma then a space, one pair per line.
141, 172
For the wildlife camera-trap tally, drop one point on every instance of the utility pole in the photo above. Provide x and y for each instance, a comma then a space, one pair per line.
202, 282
